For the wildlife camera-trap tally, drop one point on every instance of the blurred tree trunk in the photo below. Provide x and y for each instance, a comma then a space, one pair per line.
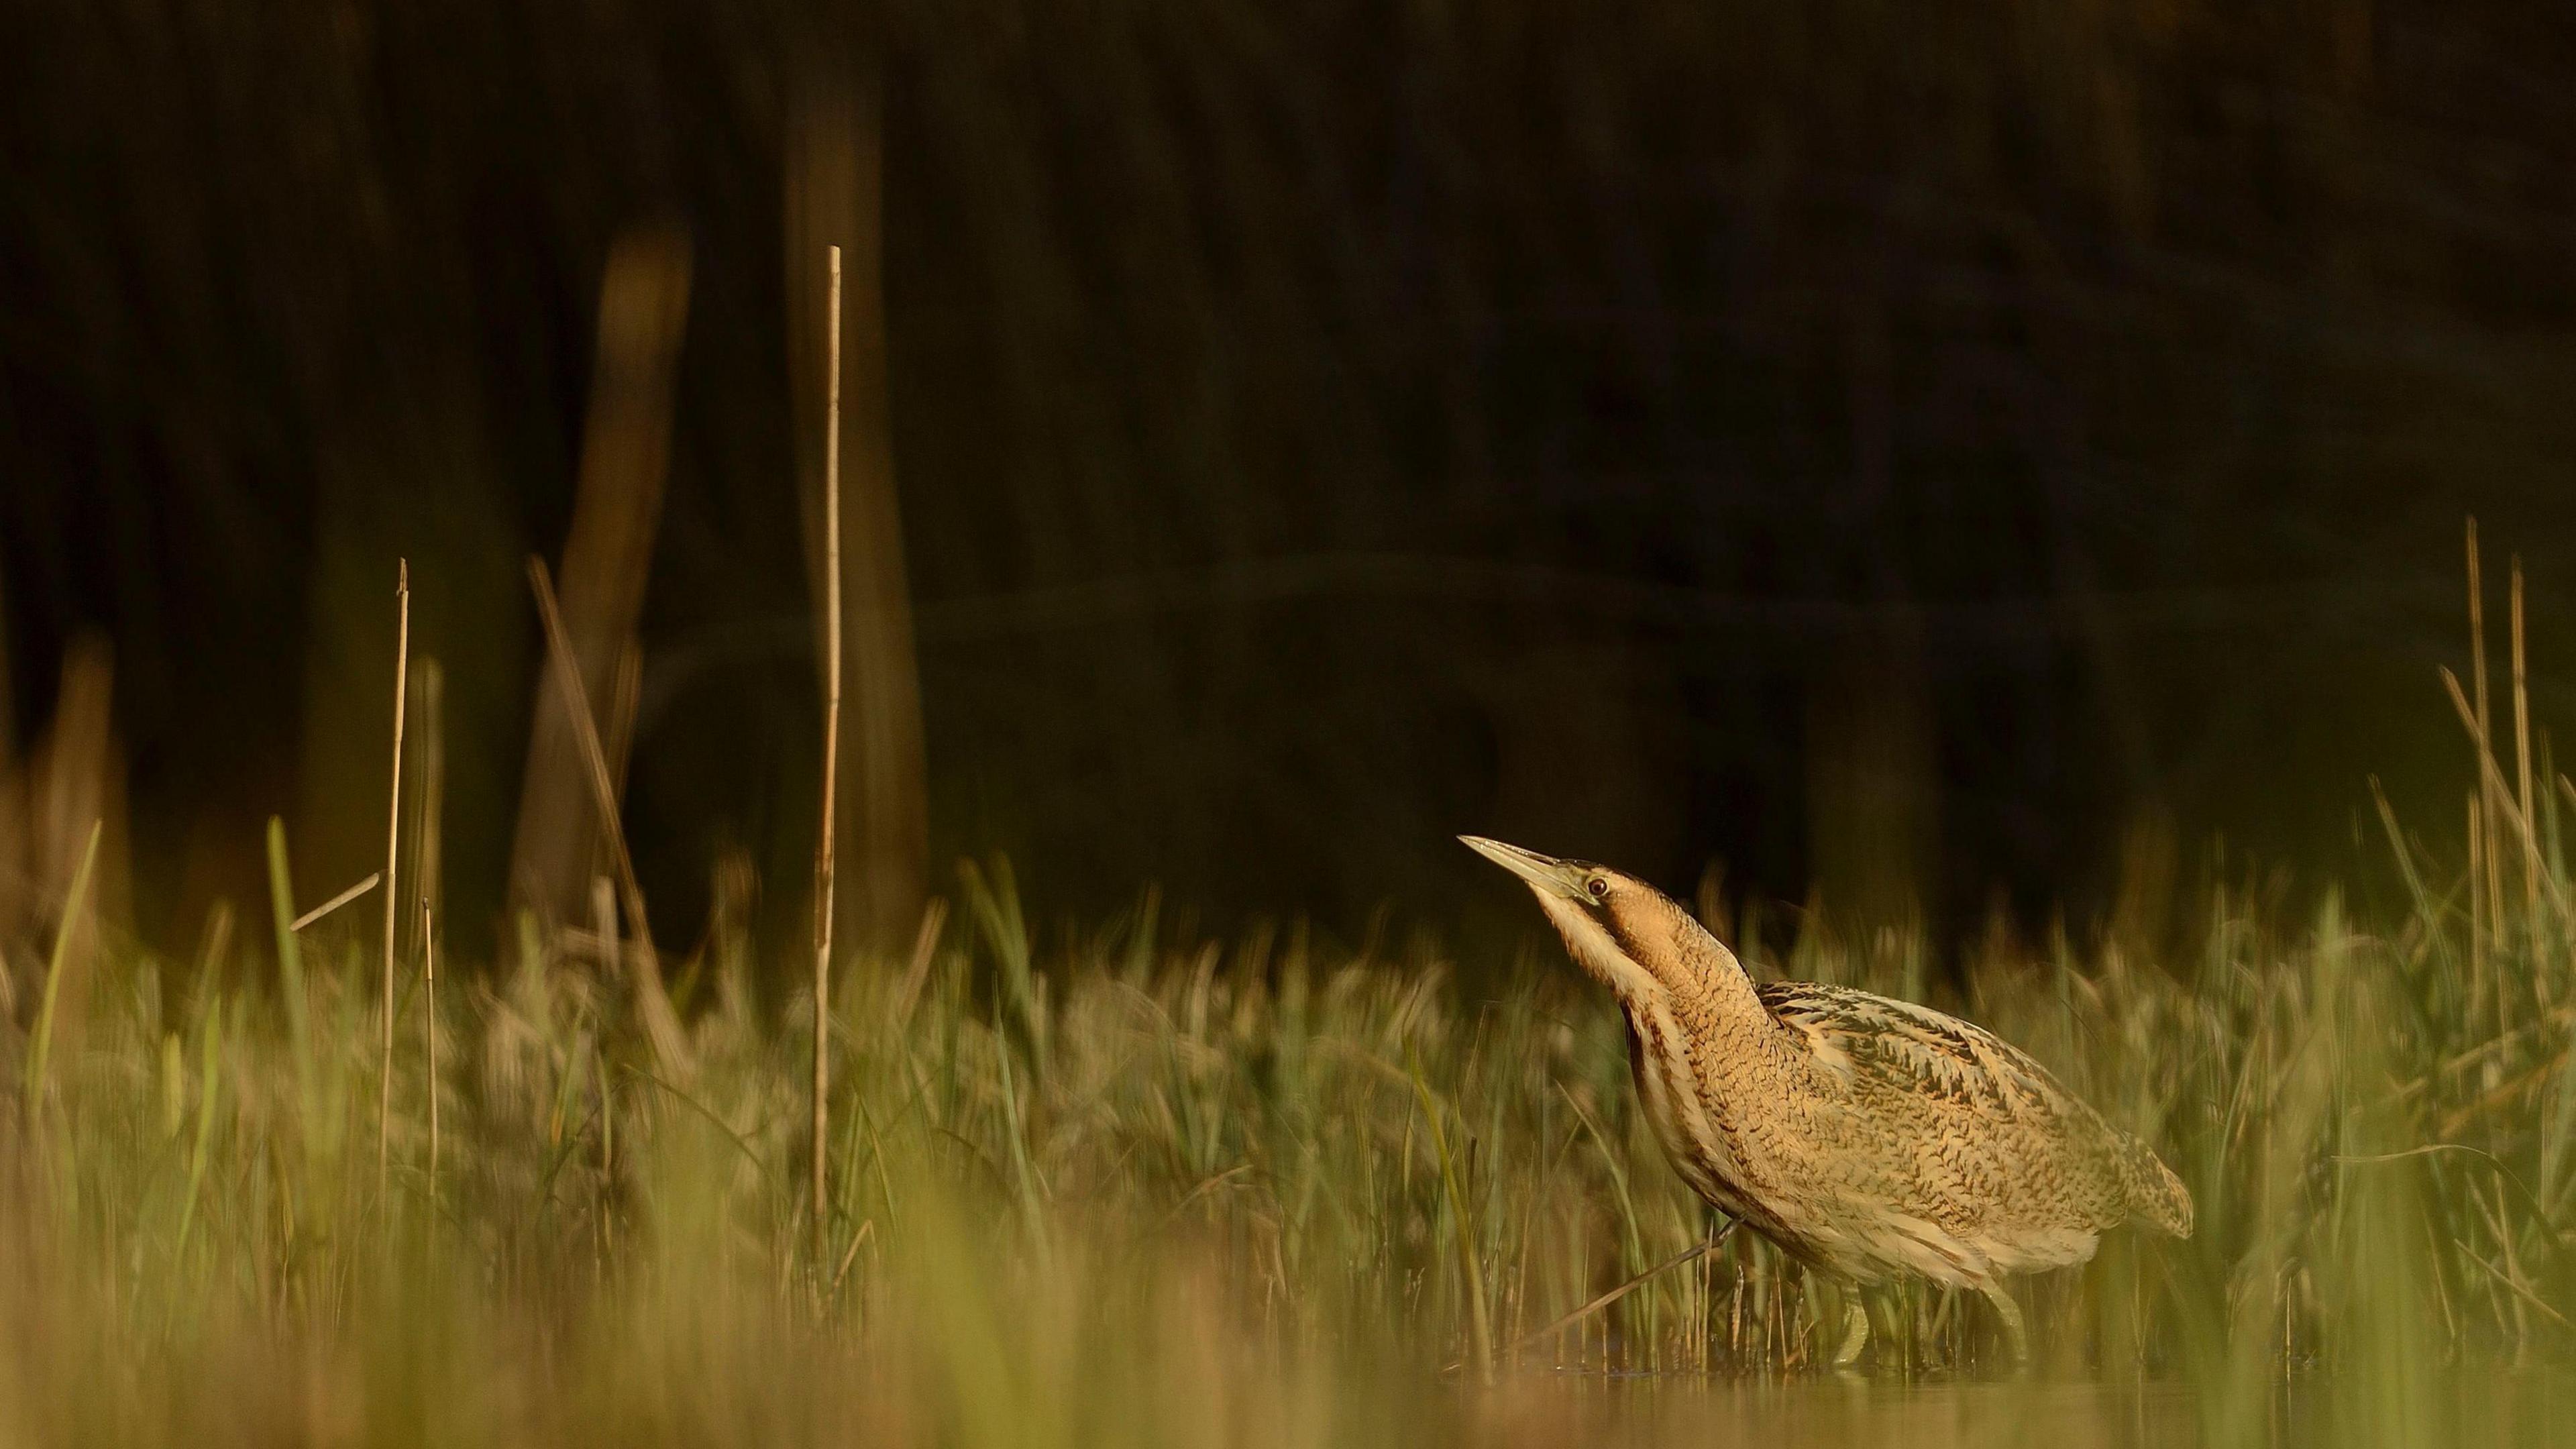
835, 197
643, 304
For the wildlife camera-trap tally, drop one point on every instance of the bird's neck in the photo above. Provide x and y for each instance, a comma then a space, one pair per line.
1707, 1055
1719, 984
1710, 999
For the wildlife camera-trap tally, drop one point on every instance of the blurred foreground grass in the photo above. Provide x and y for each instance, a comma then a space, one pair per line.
1133, 1189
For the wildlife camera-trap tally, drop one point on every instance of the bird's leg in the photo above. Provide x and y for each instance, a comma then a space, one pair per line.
2010, 1313
1855, 1327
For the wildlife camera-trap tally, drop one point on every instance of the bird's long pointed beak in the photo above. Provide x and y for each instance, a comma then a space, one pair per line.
1546, 875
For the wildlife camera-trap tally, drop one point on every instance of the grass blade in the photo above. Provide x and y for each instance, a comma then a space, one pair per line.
40, 1050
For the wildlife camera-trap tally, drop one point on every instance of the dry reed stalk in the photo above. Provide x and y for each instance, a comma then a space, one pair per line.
2522, 753
607, 1124
850, 1255
823, 863
617, 710
625, 693
2498, 801
2477, 917
661, 1024
835, 194
605, 948
393, 853
2494, 897
1687, 1255
429, 1033
365, 884
925, 946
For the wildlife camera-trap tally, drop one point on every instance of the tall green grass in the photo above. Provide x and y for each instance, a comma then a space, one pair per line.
1125, 1188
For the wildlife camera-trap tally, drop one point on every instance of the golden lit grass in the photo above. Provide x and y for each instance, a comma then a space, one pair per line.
1127, 1188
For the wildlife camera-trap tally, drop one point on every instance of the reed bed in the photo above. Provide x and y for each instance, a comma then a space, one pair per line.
1128, 1187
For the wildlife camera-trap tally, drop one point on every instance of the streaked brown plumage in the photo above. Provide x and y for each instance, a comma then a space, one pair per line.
1866, 1137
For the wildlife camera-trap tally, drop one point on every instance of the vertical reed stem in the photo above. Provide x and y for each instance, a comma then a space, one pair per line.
823, 865
2493, 900
393, 851
429, 1033
2478, 867
2522, 756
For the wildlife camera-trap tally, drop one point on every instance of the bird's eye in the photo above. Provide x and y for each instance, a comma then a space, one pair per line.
1599, 886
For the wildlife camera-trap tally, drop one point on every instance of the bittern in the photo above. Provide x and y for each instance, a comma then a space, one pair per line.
1868, 1138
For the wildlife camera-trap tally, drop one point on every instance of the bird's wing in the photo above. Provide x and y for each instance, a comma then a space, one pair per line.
1986, 1109
1918, 1050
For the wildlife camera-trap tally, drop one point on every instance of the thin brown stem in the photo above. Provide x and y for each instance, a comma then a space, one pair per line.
661, 1024
925, 946
373, 879
429, 1033
1689, 1254
2477, 915
393, 850
2499, 797
2522, 753
2493, 900
823, 864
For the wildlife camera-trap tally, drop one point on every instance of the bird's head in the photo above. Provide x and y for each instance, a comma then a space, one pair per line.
1626, 934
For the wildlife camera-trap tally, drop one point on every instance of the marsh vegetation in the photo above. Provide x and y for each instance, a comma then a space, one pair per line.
1123, 1185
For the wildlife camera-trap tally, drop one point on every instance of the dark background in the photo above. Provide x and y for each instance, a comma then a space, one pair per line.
1857, 442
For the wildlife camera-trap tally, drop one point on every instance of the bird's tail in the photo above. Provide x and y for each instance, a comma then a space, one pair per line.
2157, 1198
